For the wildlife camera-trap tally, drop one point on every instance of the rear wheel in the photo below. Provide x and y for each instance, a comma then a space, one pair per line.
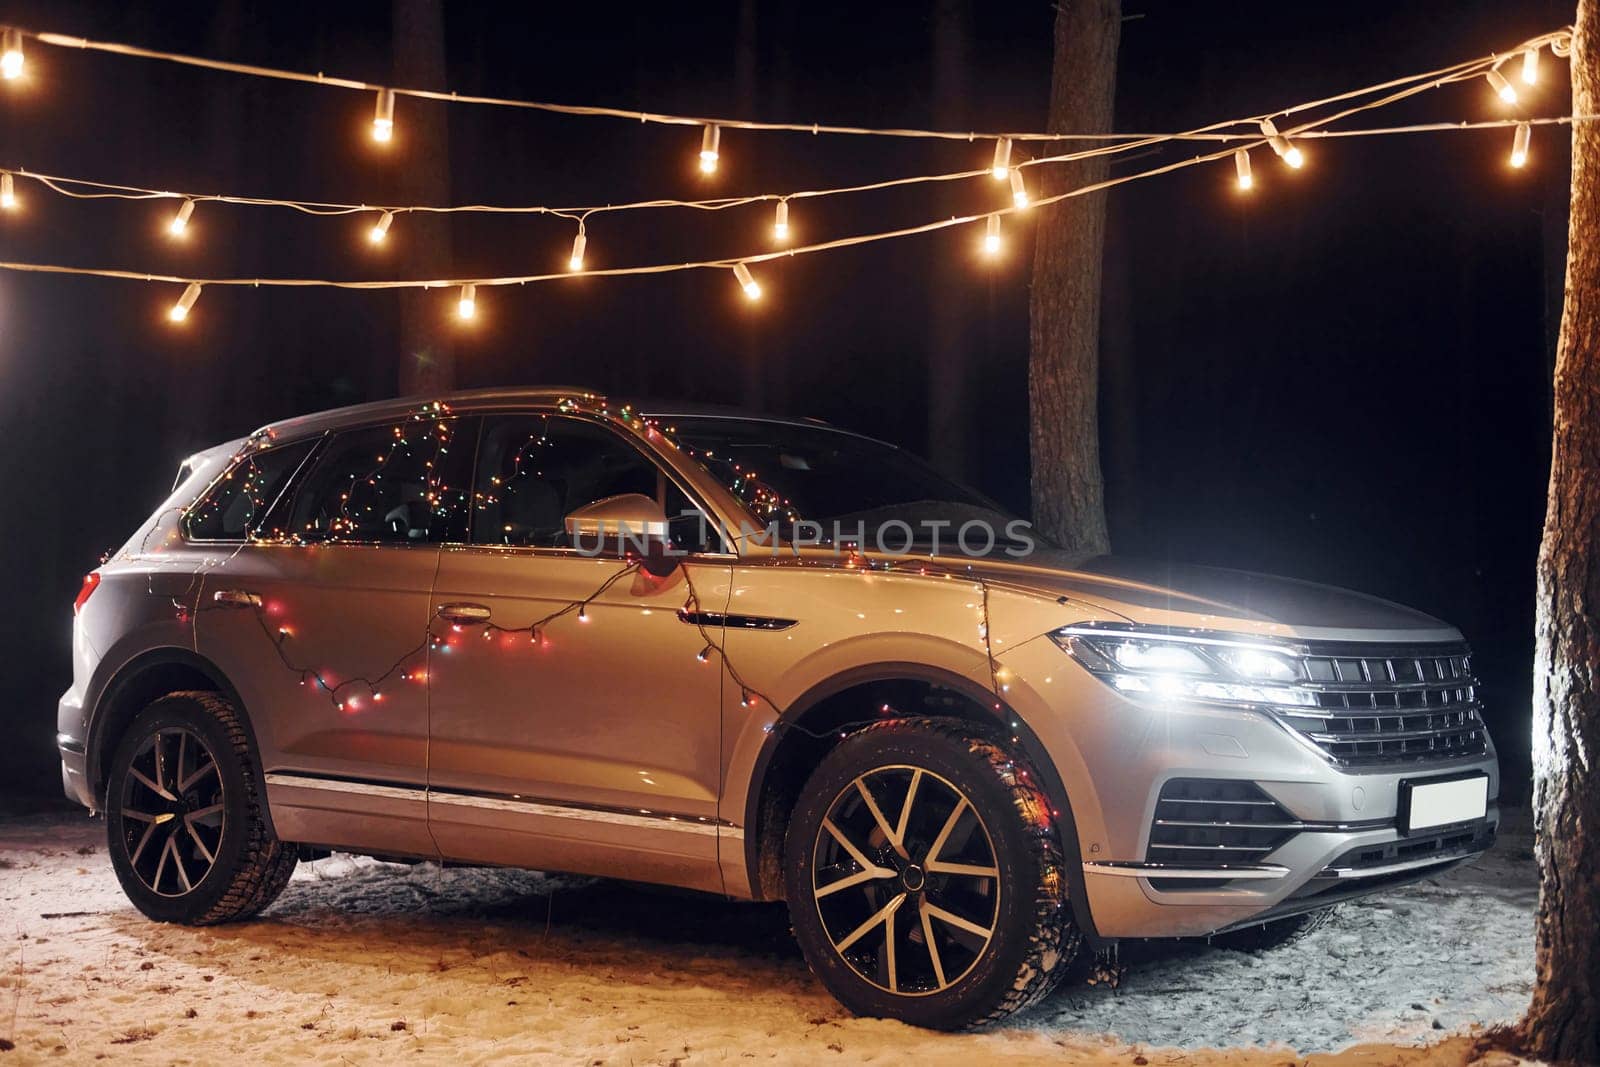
924, 878
184, 820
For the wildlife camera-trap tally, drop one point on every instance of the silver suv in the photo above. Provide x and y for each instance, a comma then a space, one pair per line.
758, 657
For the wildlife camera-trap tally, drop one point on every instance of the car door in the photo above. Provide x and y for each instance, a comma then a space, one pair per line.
574, 718
321, 622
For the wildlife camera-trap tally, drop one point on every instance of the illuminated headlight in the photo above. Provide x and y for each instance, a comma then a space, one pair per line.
1213, 671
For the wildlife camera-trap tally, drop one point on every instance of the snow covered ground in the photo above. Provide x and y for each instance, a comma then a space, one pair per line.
365, 962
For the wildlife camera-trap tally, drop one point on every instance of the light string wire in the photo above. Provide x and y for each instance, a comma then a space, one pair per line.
1407, 87
1556, 38
1125, 142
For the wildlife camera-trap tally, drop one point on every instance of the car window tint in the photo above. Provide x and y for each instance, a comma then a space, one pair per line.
534, 470
399, 483
239, 500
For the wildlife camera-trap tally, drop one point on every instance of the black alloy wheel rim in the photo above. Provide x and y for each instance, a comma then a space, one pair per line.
172, 810
906, 881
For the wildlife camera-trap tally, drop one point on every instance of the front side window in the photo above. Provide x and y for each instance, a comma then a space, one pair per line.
237, 503
400, 483
534, 470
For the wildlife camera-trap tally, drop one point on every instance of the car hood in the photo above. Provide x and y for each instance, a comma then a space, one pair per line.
1156, 593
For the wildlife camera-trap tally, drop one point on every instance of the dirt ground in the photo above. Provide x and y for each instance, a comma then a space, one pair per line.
365, 962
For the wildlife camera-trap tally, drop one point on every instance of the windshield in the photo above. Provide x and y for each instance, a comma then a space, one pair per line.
853, 488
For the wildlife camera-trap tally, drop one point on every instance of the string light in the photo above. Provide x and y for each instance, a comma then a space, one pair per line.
383, 117
1519, 144
11, 55
991, 235
1530, 66
8, 191
1504, 89
780, 220
1286, 151
380, 229
467, 307
1002, 159
1241, 163
180, 221
709, 142
578, 244
1019, 189
746, 281
180, 310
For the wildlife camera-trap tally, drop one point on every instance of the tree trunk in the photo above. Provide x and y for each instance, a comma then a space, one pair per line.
1563, 1022
422, 148
1064, 316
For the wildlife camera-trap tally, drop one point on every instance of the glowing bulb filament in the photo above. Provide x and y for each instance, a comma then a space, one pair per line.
579, 243
11, 55
1519, 144
991, 235
180, 221
468, 305
1019, 190
1002, 159
709, 142
1505, 89
1530, 66
747, 282
780, 221
8, 191
1241, 163
180, 310
380, 229
383, 116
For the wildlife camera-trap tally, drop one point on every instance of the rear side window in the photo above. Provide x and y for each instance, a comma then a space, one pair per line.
233, 507
399, 483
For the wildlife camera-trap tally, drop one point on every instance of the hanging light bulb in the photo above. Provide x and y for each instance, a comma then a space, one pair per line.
579, 243
1498, 83
180, 221
1019, 190
746, 282
1530, 66
780, 221
1002, 158
1241, 163
383, 116
180, 310
468, 305
1519, 144
11, 55
8, 191
709, 140
991, 235
380, 229
1286, 151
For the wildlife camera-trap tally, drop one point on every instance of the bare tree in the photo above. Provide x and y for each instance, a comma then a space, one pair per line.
1563, 1022
427, 359
1064, 316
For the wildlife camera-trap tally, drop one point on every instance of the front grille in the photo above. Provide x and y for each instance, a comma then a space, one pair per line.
1387, 706
1202, 822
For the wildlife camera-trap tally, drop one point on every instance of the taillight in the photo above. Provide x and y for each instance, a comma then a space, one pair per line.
90, 580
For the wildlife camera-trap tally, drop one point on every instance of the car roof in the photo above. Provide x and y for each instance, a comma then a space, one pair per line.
474, 399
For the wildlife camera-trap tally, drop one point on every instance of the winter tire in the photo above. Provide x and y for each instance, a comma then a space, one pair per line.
184, 815
924, 878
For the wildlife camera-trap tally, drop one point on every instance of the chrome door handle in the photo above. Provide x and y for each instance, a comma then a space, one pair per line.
236, 598
464, 613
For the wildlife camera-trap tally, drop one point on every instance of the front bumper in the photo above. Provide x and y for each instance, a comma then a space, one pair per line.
1115, 754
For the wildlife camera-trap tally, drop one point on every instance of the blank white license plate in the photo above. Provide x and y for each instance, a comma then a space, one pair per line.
1442, 803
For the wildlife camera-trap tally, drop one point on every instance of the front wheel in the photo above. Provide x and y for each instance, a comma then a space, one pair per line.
184, 821
924, 879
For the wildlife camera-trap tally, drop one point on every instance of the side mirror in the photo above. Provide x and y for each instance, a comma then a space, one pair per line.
623, 522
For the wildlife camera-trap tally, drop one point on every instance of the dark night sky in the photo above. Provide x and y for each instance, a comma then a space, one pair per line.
1343, 377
